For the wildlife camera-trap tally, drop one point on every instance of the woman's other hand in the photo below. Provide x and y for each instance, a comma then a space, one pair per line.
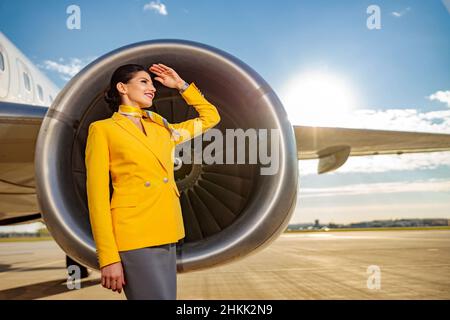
112, 277
167, 76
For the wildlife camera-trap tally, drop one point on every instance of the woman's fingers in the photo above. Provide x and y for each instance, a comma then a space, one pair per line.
119, 281
164, 66
156, 71
119, 284
161, 68
123, 277
158, 68
113, 284
161, 73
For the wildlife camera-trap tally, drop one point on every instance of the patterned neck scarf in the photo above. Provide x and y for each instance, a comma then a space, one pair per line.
147, 114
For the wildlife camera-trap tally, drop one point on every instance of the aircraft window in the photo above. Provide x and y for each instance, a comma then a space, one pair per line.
40, 93
2, 62
27, 81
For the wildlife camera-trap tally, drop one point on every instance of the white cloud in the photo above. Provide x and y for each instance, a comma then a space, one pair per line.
66, 69
156, 6
394, 119
401, 13
430, 185
442, 96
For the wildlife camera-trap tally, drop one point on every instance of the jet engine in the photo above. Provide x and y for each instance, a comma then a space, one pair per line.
230, 210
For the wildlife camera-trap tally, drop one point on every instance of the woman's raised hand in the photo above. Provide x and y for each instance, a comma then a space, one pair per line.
167, 76
112, 277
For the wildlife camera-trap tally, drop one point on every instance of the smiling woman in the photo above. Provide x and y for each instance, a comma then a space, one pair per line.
318, 99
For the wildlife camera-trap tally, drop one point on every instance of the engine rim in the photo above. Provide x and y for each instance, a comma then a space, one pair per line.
191, 256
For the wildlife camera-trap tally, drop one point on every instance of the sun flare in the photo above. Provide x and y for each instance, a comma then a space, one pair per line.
317, 99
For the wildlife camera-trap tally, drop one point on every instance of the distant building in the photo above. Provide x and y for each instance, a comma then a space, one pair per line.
373, 224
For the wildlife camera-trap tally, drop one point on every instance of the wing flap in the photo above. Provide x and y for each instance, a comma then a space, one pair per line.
313, 142
19, 128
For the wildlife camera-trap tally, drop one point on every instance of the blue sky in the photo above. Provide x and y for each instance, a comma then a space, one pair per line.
396, 77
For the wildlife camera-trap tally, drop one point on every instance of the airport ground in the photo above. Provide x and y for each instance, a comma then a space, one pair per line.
399, 264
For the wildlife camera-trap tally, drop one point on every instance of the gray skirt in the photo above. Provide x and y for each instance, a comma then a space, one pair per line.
150, 273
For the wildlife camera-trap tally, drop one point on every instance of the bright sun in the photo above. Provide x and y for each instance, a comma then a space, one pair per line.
317, 99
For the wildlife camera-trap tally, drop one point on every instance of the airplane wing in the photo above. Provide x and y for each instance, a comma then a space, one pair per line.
19, 127
333, 146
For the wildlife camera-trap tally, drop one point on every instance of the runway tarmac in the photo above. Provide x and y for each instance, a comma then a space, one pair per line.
325, 265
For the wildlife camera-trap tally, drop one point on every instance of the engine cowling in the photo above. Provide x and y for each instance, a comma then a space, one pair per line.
229, 210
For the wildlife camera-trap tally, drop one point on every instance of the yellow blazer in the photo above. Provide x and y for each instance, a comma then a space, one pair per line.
145, 208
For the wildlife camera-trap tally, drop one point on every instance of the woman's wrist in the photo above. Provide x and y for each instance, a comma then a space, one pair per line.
184, 88
180, 85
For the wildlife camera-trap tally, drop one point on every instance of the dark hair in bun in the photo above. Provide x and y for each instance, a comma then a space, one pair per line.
122, 74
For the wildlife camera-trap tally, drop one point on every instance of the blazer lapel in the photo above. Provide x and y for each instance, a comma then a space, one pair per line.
156, 146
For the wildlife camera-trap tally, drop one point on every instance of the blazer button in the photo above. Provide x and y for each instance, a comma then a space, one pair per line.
165, 179
147, 183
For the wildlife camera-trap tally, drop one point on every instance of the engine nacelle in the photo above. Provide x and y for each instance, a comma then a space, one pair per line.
229, 210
